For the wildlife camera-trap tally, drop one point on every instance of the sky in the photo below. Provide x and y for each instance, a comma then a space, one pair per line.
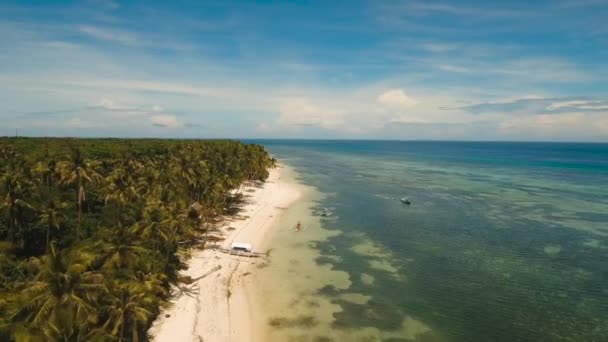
440, 70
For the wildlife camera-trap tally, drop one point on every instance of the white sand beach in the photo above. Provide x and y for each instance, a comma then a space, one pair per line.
218, 307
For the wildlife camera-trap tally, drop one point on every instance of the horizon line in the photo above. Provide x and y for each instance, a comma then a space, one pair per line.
310, 139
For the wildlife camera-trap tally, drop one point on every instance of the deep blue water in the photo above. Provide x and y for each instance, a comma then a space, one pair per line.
504, 241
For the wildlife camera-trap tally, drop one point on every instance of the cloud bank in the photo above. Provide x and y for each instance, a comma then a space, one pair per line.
400, 71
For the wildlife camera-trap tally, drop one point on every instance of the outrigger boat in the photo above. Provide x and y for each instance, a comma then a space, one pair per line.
240, 249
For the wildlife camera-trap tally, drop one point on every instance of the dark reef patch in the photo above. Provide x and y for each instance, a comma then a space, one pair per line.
298, 322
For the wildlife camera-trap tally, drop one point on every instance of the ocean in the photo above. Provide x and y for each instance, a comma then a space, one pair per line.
502, 241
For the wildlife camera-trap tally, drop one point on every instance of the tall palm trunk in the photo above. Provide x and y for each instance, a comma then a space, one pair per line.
122, 331
79, 199
48, 233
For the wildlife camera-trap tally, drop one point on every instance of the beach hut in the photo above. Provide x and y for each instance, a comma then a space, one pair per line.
241, 247
196, 211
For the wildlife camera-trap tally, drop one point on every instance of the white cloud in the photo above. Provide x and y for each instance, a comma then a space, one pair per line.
304, 112
562, 126
111, 105
543, 70
133, 89
111, 35
602, 125
396, 98
105, 4
263, 127
165, 120
544, 122
565, 104
108, 111
106, 103
579, 104
76, 123
438, 47
408, 119
160, 87
453, 68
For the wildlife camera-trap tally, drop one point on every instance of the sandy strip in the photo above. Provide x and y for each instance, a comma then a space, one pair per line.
217, 307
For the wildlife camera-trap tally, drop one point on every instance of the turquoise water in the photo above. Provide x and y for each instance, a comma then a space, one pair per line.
502, 242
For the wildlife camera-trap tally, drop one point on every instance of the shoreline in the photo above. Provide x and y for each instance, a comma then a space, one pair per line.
219, 306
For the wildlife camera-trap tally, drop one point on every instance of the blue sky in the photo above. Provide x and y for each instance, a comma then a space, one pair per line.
466, 70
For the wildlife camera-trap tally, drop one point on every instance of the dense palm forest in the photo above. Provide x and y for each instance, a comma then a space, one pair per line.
92, 230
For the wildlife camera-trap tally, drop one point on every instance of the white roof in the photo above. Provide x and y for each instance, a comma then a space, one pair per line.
242, 245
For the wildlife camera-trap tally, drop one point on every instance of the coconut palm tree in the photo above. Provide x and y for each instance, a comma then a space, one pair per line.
120, 249
179, 222
79, 172
200, 180
63, 287
128, 313
122, 184
50, 214
14, 186
47, 171
153, 226
119, 187
107, 285
183, 168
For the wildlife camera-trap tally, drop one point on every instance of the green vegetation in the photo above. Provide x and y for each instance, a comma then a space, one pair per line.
91, 230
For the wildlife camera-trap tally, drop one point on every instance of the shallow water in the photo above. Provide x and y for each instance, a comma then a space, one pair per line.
503, 242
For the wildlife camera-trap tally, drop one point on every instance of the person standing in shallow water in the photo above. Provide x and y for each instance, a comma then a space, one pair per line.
298, 226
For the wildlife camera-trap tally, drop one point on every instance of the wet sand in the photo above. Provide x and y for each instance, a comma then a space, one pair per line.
296, 297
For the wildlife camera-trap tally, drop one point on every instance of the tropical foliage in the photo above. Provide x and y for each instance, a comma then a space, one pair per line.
92, 230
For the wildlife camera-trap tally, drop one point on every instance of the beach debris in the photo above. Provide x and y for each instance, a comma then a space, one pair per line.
189, 280
214, 238
406, 201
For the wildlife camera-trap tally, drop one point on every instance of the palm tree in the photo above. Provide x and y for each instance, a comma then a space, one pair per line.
62, 288
149, 177
152, 227
183, 168
121, 249
122, 185
140, 212
178, 221
14, 185
273, 163
200, 180
78, 171
119, 187
47, 171
128, 316
50, 215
